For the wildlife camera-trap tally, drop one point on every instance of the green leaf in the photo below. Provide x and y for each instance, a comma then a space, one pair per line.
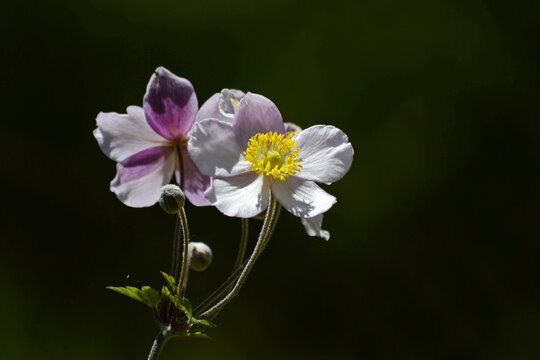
182, 304
165, 292
198, 335
170, 281
146, 295
150, 296
204, 322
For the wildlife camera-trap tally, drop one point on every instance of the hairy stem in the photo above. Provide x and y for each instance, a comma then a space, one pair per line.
175, 267
182, 282
220, 290
157, 346
273, 223
258, 248
243, 244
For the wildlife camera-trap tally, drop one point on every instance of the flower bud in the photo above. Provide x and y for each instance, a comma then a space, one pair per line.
171, 199
200, 256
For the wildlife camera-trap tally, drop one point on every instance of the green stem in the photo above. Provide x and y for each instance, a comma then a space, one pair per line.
258, 248
182, 282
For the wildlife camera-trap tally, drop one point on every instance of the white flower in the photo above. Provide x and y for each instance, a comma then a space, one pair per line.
252, 156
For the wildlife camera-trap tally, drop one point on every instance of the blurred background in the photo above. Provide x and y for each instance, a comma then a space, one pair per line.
434, 239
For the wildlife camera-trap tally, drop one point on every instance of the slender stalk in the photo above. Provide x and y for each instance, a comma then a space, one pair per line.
258, 247
243, 244
157, 346
175, 267
273, 223
220, 290
182, 282
237, 265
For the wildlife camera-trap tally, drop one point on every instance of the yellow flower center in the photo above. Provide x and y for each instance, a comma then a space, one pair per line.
272, 154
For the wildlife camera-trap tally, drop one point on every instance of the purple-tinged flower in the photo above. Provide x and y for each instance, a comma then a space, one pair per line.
149, 144
252, 156
222, 106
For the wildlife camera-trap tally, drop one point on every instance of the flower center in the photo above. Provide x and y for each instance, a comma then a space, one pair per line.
272, 154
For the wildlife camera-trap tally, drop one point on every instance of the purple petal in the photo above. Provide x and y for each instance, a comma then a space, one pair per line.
195, 182
257, 114
170, 104
139, 178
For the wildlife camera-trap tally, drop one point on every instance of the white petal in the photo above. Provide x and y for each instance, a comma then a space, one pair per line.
214, 148
243, 195
326, 153
122, 135
313, 227
301, 197
141, 191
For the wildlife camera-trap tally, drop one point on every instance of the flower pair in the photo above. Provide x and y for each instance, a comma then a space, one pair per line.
232, 153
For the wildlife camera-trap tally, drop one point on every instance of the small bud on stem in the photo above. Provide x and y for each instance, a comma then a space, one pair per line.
200, 256
171, 199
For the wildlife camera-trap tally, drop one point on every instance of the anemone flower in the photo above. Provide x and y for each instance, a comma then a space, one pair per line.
252, 156
222, 106
149, 144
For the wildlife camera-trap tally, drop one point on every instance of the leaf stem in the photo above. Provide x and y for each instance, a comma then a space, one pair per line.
258, 248
182, 282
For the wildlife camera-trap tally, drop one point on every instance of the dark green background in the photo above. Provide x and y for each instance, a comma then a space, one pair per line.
435, 242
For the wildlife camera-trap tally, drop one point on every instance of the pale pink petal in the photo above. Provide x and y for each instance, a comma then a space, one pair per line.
210, 110
214, 147
326, 153
170, 104
139, 178
257, 114
121, 135
195, 182
242, 196
301, 197
313, 227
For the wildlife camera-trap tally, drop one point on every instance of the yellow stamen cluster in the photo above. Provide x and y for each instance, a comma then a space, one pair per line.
271, 154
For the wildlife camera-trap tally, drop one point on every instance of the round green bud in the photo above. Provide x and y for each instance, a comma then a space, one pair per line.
171, 199
200, 256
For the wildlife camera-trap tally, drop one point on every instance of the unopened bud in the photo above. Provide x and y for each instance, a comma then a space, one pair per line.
200, 256
171, 199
